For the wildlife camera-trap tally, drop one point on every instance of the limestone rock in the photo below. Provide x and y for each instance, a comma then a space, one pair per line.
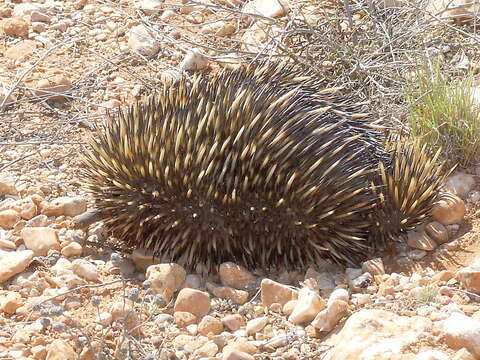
194, 301
236, 276
274, 292
40, 239
166, 278
377, 335
309, 304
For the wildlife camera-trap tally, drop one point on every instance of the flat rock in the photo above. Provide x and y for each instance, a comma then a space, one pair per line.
460, 331
377, 335
60, 350
40, 239
13, 263
274, 292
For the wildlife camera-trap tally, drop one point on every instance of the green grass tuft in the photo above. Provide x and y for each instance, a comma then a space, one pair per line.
445, 115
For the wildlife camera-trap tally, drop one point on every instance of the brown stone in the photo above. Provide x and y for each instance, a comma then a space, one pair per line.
194, 301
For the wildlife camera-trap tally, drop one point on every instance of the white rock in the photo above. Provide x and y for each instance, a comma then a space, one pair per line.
432, 355
62, 267
27, 8
328, 318
104, 319
379, 335
149, 7
338, 294
166, 278
194, 60
141, 41
309, 304
40, 239
460, 184
461, 331
13, 263
85, 269
256, 325
269, 8
72, 249
73, 206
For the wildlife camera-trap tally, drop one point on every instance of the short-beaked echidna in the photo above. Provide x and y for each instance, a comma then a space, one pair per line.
258, 165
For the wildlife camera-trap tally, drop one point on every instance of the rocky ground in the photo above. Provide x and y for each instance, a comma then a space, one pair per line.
63, 63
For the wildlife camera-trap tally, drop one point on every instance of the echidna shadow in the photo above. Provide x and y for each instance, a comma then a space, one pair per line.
261, 166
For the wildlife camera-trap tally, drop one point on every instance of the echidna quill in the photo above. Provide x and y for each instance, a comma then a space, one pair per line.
259, 165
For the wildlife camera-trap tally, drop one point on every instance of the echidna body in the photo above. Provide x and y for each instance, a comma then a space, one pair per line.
258, 165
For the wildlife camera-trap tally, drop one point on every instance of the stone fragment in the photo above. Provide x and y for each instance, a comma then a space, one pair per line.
463, 354
7, 184
378, 334
72, 249
449, 210
460, 184
432, 355
10, 302
233, 322
269, 8
421, 241
142, 41
124, 313
289, 306
72, 206
28, 209
40, 239
274, 292
210, 326
194, 301
149, 7
13, 263
328, 318
234, 354
8, 218
256, 325
437, 232
236, 276
184, 318
219, 28
309, 304
166, 279
15, 26
469, 277
225, 292
208, 350
194, 60
460, 331
53, 86
85, 269
60, 350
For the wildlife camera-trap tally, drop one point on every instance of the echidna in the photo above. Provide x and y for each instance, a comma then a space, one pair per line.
258, 165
